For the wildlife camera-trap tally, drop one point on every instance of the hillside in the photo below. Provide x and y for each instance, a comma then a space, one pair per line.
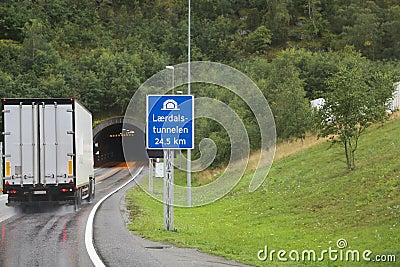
45, 53
308, 202
290, 49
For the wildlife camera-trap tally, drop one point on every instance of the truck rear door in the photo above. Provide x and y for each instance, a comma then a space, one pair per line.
56, 143
20, 144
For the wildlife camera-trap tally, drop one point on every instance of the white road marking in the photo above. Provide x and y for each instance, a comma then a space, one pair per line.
89, 225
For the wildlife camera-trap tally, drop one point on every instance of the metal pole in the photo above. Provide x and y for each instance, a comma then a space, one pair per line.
151, 171
173, 80
173, 77
168, 190
189, 163
173, 92
180, 158
173, 85
180, 150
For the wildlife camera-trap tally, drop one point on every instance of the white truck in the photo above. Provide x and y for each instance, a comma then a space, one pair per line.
47, 152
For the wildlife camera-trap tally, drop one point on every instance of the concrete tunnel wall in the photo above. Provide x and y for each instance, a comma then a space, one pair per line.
107, 141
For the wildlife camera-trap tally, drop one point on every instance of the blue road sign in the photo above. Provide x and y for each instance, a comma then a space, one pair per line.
170, 122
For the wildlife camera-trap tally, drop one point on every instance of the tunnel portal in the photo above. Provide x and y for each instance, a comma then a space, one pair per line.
107, 142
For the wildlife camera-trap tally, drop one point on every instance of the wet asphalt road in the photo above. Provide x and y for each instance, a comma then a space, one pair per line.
54, 236
51, 236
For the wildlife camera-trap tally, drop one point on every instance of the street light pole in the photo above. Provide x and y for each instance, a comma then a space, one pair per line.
173, 92
189, 162
173, 77
180, 92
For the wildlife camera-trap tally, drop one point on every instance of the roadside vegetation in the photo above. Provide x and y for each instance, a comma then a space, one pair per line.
309, 201
101, 51
289, 48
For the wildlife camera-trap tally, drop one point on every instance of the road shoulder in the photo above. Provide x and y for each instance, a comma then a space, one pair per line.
117, 246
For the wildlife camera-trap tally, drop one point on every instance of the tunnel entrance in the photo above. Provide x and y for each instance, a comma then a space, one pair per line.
107, 143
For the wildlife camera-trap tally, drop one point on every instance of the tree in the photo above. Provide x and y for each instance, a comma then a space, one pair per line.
35, 48
316, 25
356, 99
361, 26
277, 18
391, 37
259, 40
286, 95
284, 89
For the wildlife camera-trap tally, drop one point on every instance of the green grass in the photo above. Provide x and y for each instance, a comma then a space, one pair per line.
309, 201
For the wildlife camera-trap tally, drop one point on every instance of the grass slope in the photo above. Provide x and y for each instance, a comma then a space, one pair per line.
308, 202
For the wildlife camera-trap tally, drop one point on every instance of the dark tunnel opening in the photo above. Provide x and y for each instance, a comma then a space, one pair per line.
108, 150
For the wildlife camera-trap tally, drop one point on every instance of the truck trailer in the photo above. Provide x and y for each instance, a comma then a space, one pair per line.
47, 152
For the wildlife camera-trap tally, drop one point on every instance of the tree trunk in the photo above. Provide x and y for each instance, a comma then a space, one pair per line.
346, 151
351, 166
349, 151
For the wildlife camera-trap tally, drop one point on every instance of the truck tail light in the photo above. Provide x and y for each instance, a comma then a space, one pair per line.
64, 190
71, 181
7, 183
12, 191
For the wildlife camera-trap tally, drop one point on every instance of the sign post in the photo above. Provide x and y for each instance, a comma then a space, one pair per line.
169, 127
169, 190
